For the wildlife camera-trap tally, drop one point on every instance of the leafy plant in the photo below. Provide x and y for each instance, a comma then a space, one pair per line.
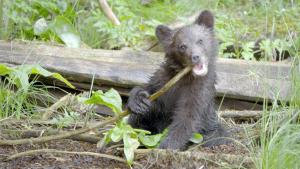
131, 138
248, 53
15, 101
66, 119
20, 75
111, 99
273, 49
122, 131
61, 27
45, 20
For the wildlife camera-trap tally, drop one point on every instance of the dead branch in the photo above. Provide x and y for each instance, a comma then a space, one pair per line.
63, 135
246, 114
108, 12
21, 134
62, 101
39, 151
11, 122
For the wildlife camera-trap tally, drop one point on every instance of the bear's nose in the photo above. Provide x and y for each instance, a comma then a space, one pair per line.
195, 58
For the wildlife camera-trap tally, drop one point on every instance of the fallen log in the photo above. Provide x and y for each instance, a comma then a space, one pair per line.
248, 80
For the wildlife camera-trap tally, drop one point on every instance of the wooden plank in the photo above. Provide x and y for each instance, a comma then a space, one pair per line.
241, 79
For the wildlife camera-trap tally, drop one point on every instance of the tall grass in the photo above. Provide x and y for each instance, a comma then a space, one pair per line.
278, 146
20, 103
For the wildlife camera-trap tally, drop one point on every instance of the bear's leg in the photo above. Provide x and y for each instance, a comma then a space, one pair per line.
216, 137
212, 130
180, 131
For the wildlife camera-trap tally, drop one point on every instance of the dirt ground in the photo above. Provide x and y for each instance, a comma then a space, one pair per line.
195, 157
66, 161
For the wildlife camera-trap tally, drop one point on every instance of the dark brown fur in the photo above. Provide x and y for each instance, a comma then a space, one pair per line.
188, 106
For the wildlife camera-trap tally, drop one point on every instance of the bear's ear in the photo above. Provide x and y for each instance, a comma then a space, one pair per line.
164, 35
205, 18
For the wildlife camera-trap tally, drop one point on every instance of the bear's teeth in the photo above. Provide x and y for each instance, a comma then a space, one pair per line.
200, 70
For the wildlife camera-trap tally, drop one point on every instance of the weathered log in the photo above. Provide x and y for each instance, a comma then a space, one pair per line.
241, 79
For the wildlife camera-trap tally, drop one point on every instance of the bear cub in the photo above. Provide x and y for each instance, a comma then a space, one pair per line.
188, 107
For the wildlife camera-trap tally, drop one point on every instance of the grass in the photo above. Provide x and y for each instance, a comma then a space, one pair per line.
23, 103
238, 23
278, 146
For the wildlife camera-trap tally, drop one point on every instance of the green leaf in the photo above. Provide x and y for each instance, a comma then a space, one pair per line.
65, 120
196, 138
130, 144
142, 131
111, 99
150, 140
40, 26
37, 69
20, 75
20, 79
247, 52
107, 137
64, 29
116, 134
4, 70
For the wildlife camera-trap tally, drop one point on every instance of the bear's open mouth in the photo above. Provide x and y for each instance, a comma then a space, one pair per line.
200, 69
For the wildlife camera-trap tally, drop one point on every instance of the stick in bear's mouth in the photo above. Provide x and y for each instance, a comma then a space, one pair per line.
200, 69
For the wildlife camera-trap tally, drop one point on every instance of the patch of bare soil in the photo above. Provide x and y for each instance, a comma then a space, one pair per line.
157, 159
56, 161
231, 156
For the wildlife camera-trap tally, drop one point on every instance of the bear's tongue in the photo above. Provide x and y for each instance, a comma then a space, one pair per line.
199, 69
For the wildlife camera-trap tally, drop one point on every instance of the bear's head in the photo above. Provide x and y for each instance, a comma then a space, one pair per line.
193, 44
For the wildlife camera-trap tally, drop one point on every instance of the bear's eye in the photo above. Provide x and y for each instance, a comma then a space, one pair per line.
199, 41
182, 47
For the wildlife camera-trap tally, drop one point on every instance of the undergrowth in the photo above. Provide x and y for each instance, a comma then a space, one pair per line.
278, 144
251, 30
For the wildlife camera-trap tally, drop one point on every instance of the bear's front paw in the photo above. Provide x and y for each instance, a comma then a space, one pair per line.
163, 145
170, 145
138, 101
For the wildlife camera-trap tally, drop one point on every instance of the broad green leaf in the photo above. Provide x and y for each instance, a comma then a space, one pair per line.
111, 99
40, 26
64, 29
130, 144
37, 69
20, 74
4, 70
20, 79
142, 131
150, 140
196, 138
116, 134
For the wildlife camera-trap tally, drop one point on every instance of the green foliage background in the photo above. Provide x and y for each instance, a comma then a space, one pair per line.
244, 28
